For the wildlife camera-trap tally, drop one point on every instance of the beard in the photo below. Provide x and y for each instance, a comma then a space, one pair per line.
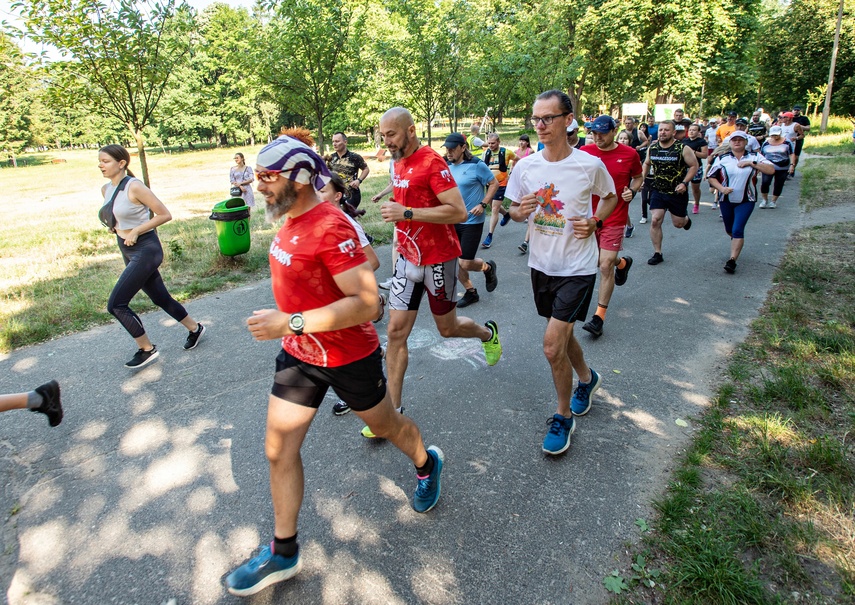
281, 204
399, 153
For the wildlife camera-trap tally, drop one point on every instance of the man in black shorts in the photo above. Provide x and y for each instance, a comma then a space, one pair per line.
472, 177
673, 166
324, 321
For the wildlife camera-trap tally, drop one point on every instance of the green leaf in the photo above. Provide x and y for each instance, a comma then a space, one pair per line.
615, 583
642, 525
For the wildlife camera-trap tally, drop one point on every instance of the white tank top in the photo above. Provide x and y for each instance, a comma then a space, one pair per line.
789, 132
128, 214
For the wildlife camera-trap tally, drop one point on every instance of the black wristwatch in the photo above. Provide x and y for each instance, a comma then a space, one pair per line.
408, 214
483, 205
599, 222
296, 323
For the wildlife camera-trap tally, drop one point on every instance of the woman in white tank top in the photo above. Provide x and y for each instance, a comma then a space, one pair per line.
138, 212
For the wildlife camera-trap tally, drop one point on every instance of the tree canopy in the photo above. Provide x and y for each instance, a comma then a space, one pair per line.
156, 68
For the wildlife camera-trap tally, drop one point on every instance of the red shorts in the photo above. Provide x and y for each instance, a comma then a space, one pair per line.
610, 237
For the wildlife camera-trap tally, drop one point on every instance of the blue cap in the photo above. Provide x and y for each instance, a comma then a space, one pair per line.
602, 124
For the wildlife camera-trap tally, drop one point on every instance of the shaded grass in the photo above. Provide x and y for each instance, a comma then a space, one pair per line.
827, 182
762, 507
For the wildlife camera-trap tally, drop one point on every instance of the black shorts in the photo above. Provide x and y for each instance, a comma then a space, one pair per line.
798, 149
564, 298
470, 236
675, 203
360, 384
500, 194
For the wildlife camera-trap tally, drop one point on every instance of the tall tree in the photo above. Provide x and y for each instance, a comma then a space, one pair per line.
308, 55
16, 87
122, 53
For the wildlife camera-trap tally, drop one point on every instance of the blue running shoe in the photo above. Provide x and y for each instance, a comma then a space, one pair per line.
488, 241
261, 571
581, 402
506, 218
428, 489
557, 439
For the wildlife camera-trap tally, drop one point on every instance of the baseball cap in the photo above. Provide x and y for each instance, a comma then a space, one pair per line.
732, 113
602, 124
742, 121
574, 125
295, 160
795, 107
788, 114
679, 127
776, 130
453, 140
739, 134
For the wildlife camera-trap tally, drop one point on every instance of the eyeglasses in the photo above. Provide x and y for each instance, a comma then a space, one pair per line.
547, 120
267, 176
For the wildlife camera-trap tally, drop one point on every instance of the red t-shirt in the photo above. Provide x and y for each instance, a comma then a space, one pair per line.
304, 256
622, 163
417, 180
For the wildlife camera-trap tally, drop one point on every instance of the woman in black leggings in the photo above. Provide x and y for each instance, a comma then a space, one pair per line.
138, 213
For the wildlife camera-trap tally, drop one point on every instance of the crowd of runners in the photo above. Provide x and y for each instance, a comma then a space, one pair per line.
574, 194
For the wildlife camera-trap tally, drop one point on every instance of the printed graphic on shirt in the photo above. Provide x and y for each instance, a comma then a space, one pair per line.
548, 218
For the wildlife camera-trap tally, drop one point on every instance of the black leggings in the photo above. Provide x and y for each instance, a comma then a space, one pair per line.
141, 263
780, 178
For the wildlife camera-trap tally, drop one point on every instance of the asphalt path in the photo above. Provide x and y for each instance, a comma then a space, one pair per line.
155, 485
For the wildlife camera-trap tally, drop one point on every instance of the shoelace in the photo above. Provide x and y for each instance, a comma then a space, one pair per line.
555, 427
425, 487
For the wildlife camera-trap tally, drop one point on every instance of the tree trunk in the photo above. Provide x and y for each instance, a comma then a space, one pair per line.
138, 136
320, 118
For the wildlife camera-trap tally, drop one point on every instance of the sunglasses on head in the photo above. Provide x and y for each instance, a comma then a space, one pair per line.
267, 176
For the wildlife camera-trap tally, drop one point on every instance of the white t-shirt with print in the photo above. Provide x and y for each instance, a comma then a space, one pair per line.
564, 190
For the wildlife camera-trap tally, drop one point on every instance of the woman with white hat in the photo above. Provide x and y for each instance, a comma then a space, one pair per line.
780, 152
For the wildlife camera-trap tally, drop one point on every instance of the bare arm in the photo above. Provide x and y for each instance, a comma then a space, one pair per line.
451, 210
359, 305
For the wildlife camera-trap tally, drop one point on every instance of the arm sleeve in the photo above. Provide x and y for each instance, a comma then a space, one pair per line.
339, 247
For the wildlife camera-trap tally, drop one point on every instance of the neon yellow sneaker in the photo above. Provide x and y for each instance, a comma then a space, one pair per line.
492, 348
366, 432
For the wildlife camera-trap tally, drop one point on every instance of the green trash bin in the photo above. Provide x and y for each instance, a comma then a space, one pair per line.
231, 219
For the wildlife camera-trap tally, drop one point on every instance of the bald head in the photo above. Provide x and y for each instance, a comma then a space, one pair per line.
399, 132
398, 116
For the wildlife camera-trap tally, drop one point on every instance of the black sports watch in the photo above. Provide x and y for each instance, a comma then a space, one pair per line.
408, 214
483, 205
296, 323
599, 222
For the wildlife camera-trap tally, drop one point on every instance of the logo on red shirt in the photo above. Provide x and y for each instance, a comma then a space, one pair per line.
348, 247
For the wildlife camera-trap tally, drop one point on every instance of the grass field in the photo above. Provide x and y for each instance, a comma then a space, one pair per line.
761, 509
58, 264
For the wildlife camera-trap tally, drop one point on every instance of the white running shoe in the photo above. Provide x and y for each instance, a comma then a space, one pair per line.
643, 221
772, 205
763, 204
386, 284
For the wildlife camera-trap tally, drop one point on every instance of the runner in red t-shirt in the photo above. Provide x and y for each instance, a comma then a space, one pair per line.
326, 297
426, 206
624, 166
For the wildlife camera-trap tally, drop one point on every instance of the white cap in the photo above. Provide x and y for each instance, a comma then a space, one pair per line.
574, 125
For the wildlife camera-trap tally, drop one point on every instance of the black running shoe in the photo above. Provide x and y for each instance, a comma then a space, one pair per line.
490, 275
51, 405
594, 327
143, 358
655, 259
688, 224
730, 266
340, 408
469, 298
622, 274
193, 338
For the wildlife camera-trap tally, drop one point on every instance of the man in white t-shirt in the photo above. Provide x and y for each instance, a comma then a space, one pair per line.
553, 190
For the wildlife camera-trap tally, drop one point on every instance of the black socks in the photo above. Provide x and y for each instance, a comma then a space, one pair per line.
287, 547
427, 469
